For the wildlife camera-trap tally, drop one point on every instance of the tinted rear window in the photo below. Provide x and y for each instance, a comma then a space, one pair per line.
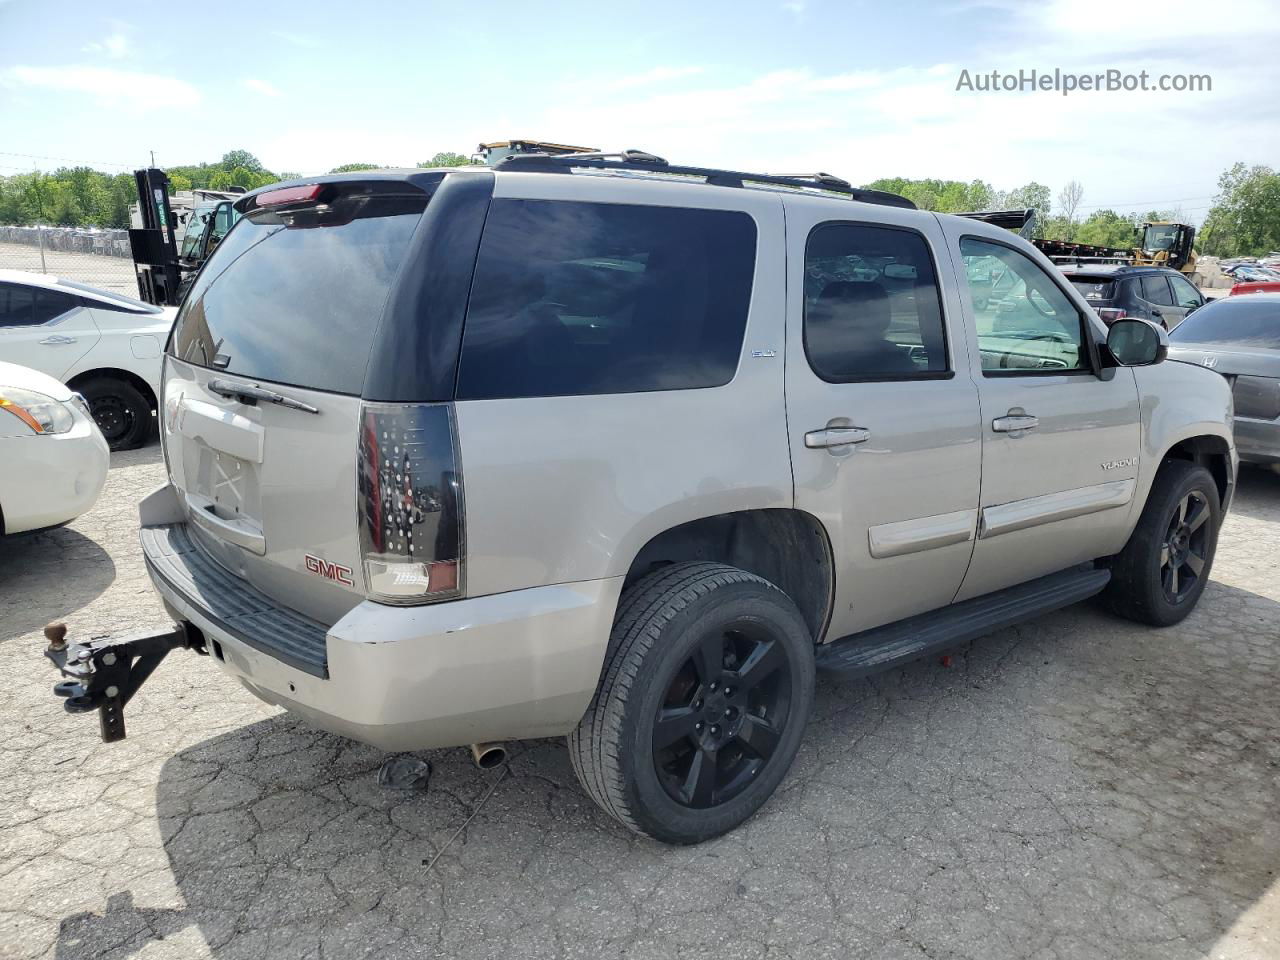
1094, 288
588, 298
295, 298
1251, 321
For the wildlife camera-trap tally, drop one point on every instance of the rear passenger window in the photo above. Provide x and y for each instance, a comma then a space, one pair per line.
1155, 289
871, 307
577, 298
30, 306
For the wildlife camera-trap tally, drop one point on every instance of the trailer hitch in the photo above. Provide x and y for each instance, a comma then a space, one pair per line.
105, 672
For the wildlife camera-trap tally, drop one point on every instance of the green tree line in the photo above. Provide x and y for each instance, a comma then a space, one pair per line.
84, 197
1244, 220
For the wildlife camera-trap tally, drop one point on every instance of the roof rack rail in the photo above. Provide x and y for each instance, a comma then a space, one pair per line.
639, 160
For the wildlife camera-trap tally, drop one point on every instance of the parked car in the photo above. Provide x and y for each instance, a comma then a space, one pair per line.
1261, 286
1152, 293
1240, 339
618, 450
1252, 273
54, 457
103, 345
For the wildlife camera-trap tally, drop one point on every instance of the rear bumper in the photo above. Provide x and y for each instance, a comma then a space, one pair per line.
1257, 441
515, 665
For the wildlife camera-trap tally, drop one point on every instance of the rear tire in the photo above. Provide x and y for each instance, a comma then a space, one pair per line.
122, 413
706, 688
1158, 578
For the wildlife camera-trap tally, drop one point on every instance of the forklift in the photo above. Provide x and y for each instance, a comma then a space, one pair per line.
165, 271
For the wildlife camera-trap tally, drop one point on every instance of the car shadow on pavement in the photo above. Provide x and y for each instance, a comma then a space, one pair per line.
29, 562
1257, 493
1069, 787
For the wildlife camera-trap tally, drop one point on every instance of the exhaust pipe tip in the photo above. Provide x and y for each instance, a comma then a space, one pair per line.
489, 755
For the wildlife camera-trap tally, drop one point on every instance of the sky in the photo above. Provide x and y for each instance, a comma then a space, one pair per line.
859, 89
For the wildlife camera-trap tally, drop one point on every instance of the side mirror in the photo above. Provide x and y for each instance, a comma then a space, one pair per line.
1137, 343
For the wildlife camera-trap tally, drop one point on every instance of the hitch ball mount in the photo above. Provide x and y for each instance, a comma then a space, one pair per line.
105, 672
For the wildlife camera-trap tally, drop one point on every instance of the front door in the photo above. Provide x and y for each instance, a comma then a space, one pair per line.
882, 411
1060, 436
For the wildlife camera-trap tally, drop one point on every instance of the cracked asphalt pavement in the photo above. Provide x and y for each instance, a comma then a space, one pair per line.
1077, 787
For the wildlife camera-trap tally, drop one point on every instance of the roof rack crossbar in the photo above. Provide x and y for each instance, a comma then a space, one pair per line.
639, 160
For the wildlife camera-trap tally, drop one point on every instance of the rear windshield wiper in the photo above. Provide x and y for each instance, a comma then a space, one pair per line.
251, 395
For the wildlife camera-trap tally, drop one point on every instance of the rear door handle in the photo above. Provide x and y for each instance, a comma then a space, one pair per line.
836, 437
1014, 423
57, 339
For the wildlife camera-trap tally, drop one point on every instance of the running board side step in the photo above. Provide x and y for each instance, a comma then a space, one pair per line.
882, 648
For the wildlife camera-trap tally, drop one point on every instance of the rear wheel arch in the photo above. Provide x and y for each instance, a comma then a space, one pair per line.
789, 548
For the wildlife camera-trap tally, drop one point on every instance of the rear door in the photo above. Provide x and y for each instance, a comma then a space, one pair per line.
46, 330
289, 303
1060, 438
881, 409
1159, 300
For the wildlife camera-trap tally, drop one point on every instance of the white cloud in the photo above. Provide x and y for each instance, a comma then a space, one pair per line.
795, 6
115, 45
107, 85
657, 75
261, 86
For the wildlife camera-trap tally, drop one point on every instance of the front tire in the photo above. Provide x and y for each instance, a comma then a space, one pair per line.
706, 688
120, 410
1158, 578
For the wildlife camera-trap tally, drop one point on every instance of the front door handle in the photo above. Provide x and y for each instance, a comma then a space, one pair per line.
836, 437
1014, 423
57, 339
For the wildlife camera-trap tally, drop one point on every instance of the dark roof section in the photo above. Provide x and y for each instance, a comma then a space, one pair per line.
637, 161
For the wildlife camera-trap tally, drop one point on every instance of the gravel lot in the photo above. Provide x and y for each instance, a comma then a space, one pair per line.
110, 273
1077, 787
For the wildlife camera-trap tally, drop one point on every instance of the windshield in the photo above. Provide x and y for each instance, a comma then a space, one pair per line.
1160, 237
196, 227
1249, 321
296, 297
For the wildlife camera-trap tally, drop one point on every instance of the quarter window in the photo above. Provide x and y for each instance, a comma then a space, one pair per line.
1025, 322
871, 305
574, 298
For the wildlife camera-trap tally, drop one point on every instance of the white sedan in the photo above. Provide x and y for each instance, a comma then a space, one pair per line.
107, 347
54, 456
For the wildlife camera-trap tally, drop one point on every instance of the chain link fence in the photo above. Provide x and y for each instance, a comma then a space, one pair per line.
96, 256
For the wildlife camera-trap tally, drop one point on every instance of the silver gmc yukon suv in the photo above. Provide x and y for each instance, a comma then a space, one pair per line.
601, 447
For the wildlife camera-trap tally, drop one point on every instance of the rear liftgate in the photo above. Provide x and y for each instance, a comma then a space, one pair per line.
105, 672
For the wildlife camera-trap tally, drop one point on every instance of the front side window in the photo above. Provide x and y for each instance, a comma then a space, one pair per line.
1031, 325
573, 299
1155, 289
871, 305
1184, 293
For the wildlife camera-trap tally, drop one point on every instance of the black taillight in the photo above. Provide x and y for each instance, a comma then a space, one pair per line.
410, 489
